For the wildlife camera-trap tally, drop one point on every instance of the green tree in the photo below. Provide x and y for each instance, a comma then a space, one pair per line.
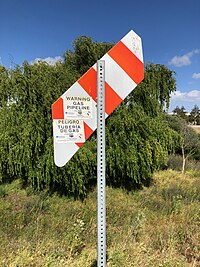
153, 93
181, 112
137, 145
137, 131
194, 116
26, 120
85, 54
190, 141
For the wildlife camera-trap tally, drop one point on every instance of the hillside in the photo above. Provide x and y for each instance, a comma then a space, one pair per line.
156, 226
196, 128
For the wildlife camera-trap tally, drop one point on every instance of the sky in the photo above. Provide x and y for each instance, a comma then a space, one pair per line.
45, 29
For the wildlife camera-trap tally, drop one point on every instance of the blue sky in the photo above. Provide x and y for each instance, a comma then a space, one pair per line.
47, 28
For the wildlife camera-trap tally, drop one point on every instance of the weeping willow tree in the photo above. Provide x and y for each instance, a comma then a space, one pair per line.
138, 139
153, 93
138, 136
26, 97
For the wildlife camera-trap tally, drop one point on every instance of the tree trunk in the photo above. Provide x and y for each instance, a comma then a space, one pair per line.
184, 160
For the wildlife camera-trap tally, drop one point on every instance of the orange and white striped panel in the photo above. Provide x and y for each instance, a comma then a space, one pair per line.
124, 70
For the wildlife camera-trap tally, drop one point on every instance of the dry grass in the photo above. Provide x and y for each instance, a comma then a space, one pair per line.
155, 227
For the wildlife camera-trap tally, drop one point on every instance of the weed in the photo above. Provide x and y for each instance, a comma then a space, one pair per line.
138, 225
176, 203
2, 192
75, 237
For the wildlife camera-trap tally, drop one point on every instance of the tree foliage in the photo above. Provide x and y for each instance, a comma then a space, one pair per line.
26, 115
85, 54
194, 116
137, 145
138, 139
153, 94
181, 112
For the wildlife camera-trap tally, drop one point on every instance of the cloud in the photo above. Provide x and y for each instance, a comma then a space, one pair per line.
1, 62
196, 75
49, 60
185, 99
179, 61
191, 96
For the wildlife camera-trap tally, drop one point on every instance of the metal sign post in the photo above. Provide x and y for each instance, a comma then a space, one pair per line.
101, 194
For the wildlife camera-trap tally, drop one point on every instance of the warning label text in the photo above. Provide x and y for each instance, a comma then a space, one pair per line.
78, 107
69, 130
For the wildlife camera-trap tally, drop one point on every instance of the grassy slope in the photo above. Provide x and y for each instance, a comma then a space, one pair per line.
196, 128
157, 226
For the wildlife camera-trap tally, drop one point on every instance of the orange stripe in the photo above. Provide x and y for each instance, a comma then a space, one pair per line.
79, 144
88, 131
128, 62
112, 100
58, 109
89, 83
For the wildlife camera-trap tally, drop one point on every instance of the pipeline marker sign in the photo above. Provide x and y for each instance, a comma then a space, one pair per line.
124, 70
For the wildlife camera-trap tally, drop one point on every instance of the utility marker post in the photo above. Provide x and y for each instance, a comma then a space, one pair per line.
101, 194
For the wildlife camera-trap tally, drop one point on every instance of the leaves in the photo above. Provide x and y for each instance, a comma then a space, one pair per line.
137, 145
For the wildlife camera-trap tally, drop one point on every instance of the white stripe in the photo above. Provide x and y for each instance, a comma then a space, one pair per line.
63, 152
134, 43
77, 90
117, 78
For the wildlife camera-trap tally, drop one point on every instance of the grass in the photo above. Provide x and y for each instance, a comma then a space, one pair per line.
154, 227
192, 166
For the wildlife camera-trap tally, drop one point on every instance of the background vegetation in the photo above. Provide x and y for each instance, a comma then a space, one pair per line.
139, 139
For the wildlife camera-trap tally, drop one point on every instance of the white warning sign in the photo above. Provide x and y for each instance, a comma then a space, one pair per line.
68, 130
79, 107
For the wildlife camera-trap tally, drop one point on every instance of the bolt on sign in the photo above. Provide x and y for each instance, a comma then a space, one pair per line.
74, 114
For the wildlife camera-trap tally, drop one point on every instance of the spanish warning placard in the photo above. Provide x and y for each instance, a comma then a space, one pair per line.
78, 107
68, 130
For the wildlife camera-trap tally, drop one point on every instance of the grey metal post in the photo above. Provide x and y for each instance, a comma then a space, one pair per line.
101, 194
